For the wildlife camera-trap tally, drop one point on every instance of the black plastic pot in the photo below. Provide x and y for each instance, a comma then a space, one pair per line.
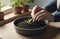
26, 30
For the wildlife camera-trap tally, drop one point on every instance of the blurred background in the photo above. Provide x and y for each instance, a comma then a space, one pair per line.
41, 3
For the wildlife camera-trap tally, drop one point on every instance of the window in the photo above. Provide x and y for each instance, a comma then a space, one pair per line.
7, 7
8, 15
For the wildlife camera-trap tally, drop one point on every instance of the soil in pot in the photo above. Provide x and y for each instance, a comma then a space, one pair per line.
17, 10
32, 25
1, 16
25, 8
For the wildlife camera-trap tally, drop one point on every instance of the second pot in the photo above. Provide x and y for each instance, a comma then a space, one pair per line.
17, 10
25, 8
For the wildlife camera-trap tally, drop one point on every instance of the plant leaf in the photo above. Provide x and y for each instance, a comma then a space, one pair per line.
28, 21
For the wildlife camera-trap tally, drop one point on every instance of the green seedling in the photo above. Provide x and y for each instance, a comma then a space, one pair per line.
28, 21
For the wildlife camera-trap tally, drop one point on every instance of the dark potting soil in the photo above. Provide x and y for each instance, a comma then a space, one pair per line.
33, 25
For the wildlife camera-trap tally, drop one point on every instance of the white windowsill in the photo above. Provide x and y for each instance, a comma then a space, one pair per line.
10, 17
7, 10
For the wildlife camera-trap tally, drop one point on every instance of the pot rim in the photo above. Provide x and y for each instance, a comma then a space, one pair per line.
29, 29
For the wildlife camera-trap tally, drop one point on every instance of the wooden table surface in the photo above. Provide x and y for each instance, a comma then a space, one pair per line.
7, 31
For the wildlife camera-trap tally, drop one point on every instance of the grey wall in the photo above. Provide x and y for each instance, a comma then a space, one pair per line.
42, 3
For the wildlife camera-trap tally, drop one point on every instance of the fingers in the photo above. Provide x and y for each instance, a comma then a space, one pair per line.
40, 12
40, 17
36, 9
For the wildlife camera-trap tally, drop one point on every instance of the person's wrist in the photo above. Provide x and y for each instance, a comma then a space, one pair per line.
51, 19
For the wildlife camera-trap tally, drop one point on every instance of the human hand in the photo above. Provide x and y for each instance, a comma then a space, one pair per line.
39, 14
